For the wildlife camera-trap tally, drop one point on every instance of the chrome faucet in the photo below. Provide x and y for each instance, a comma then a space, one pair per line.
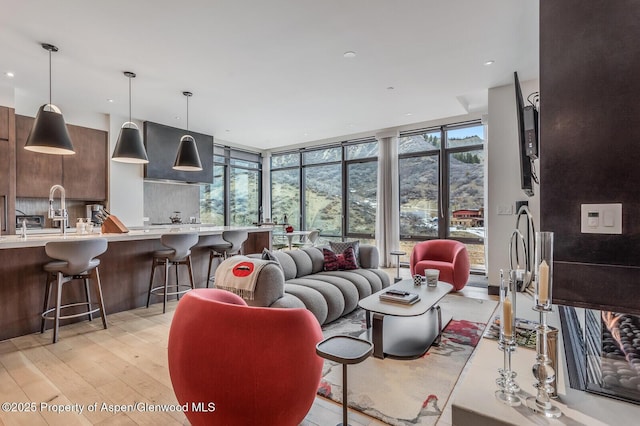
62, 217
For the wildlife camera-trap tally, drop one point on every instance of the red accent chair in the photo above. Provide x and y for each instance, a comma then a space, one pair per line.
256, 365
450, 257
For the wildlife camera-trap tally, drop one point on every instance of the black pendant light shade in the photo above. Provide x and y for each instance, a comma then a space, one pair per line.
187, 157
49, 134
129, 147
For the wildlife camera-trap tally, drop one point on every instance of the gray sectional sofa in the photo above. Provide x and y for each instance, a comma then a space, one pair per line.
298, 279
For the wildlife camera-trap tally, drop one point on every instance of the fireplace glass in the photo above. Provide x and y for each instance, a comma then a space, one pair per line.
603, 352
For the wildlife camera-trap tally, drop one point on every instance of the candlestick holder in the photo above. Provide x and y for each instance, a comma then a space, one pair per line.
507, 342
543, 371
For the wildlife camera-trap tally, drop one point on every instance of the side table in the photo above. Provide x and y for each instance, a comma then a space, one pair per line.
344, 350
397, 253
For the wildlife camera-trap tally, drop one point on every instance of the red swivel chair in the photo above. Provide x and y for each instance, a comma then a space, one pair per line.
239, 365
450, 257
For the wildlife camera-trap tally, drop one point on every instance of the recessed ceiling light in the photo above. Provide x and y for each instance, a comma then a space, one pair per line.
110, 101
227, 130
305, 134
489, 62
349, 54
177, 117
408, 114
390, 88
9, 74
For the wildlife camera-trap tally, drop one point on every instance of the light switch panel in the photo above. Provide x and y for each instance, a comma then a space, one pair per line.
601, 218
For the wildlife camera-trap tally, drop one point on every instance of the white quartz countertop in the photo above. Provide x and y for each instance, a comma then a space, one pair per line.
38, 238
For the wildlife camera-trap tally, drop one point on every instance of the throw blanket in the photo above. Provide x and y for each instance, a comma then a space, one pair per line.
240, 275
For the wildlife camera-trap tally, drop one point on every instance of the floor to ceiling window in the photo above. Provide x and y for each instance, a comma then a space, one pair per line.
331, 188
361, 171
234, 196
322, 184
442, 187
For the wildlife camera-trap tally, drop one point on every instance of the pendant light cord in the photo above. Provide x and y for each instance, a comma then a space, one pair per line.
130, 99
50, 77
187, 113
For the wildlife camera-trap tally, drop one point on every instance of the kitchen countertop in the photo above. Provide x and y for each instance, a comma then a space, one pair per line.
39, 237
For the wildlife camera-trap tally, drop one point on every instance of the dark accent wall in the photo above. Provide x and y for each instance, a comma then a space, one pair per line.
162, 144
590, 146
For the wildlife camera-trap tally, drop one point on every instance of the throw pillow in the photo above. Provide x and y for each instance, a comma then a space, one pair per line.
268, 255
340, 247
339, 262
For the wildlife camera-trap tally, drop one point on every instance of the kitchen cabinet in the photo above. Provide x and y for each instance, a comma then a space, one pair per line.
35, 172
83, 175
7, 170
4, 123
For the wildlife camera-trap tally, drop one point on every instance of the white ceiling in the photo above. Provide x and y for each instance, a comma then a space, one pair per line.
266, 74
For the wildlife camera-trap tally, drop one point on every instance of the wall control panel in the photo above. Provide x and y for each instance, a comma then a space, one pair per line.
601, 218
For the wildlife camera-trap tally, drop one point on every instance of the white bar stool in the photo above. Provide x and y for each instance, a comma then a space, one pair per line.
75, 260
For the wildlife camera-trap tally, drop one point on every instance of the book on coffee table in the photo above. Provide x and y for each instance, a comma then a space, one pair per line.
399, 296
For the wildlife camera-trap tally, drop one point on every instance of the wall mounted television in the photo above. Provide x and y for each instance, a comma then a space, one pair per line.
527, 139
162, 144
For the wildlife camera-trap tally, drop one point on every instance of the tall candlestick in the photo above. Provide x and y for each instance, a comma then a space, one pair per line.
544, 271
543, 282
507, 317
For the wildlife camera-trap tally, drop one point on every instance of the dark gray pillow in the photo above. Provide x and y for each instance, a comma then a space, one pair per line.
340, 247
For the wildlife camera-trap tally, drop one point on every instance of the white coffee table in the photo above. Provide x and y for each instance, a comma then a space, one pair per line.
405, 331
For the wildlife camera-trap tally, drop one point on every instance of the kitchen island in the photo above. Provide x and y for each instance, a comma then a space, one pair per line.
125, 269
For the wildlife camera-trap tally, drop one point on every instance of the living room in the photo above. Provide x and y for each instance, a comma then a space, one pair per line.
495, 113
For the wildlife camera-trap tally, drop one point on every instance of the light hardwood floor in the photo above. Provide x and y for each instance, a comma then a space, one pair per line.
125, 364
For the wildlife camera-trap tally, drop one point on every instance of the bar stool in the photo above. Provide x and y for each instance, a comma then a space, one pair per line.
232, 245
74, 260
178, 253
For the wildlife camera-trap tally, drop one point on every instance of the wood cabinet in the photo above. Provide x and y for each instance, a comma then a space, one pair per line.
83, 175
4, 123
35, 172
7, 170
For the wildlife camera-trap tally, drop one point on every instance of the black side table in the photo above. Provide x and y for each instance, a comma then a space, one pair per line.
345, 350
397, 253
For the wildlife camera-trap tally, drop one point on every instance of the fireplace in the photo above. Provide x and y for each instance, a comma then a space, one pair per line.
603, 352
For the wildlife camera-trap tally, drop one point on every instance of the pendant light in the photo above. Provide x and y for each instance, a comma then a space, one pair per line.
187, 158
49, 134
129, 148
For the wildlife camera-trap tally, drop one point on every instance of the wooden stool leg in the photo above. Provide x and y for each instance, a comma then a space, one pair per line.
153, 270
46, 301
56, 318
190, 272
88, 294
103, 313
166, 285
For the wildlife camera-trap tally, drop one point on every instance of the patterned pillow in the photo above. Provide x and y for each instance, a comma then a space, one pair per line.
339, 262
340, 247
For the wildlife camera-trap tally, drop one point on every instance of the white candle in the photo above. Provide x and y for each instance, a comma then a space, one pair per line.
543, 283
507, 318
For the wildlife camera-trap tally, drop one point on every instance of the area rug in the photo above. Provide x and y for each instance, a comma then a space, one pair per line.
408, 392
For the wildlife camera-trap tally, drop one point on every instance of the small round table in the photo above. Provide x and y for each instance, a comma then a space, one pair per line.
345, 350
397, 253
